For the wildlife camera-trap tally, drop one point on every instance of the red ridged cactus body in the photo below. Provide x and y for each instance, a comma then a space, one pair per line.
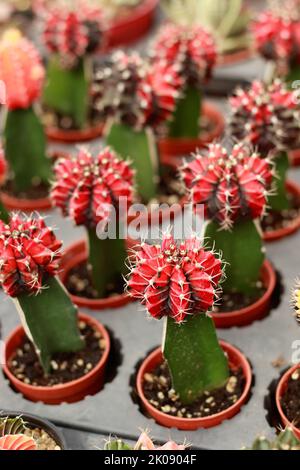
178, 280
91, 191
17, 442
268, 117
29, 262
193, 53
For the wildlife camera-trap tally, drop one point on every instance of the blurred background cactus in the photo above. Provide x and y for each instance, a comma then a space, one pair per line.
286, 440
228, 20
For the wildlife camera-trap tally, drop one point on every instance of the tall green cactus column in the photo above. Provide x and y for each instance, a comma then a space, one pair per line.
279, 201
186, 118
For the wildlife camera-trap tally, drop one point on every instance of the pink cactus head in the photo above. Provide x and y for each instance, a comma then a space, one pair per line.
73, 32
21, 70
175, 279
267, 116
191, 49
29, 253
3, 167
134, 93
17, 442
86, 188
145, 443
230, 185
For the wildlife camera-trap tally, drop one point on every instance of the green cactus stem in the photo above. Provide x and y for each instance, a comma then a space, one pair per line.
11, 426
242, 249
107, 260
66, 91
50, 321
186, 118
280, 201
196, 361
286, 440
25, 149
3, 213
116, 444
294, 74
140, 148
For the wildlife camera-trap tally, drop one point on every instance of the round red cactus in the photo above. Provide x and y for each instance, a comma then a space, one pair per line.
86, 188
21, 70
191, 49
173, 279
17, 442
267, 116
133, 92
230, 185
29, 253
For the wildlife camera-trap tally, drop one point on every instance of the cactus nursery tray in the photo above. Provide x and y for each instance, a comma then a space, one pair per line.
266, 343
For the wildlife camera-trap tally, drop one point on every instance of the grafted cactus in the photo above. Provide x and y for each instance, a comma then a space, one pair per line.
29, 261
233, 188
268, 117
192, 51
88, 190
179, 282
12, 435
71, 34
136, 98
3, 175
227, 20
144, 443
286, 440
22, 72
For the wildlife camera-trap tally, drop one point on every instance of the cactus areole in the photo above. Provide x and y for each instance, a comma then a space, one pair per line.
22, 72
29, 262
179, 282
192, 51
233, 187
90, 191
136, 99
268, 117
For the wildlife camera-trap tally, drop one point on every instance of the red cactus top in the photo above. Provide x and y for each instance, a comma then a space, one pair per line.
230, 185
29, 251
86, 188
267, 116
17, 442
134, 93
174, 279
192, 49
21, 70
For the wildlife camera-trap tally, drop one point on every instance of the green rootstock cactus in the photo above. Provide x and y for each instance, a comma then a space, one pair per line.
136, 98
192, 51
233, 188
93, 192
46, 311
179, 282
228, 20
22, 72
273, 127
286, 440
71, 35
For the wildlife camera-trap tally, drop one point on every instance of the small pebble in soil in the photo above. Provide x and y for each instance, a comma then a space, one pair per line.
158, 390
64, 366
42, 439
290, 401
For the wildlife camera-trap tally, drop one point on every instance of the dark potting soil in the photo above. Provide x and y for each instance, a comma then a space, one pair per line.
65, 367
170, 188
52, 119
237, 301
290, 401
278, 220
79, 283
37, 191
158, 390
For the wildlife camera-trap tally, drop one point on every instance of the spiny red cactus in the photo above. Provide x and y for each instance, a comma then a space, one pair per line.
173, 279
3, 167
86, 188
29, 252
73, 33
230, 185
267, 116
21, 70
133, 92
191, 49
17, 442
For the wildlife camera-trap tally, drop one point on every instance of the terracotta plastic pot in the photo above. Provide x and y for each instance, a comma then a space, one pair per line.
292, 188
74, 136
69, 392
234, 57
75, 255
25, 205
295, 158
131, 27
236, 360
257, 310
33, 421
280, 391
173, 147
